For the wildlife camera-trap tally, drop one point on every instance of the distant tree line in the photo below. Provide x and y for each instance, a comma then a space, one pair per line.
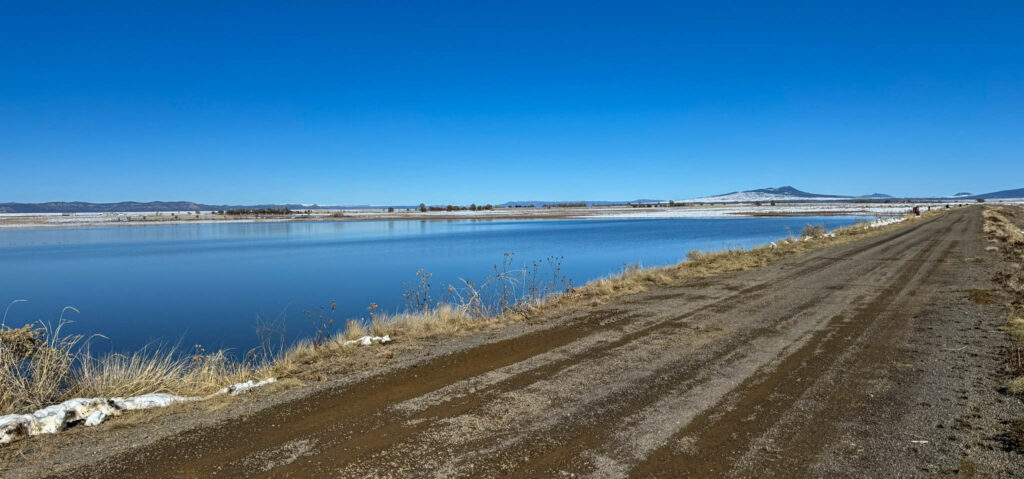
669, 203
473, 207
261, 211
567, 204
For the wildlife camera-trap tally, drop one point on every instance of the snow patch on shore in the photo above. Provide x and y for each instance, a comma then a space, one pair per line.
236, 389
368, 340
94, 411
886, 221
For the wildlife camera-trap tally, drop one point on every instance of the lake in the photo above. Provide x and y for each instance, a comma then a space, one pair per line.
209, 283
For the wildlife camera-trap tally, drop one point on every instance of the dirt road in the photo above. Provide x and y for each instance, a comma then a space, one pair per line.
879, 358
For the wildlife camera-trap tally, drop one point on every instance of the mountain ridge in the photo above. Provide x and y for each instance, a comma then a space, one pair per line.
780, 193
789, 193
141, 207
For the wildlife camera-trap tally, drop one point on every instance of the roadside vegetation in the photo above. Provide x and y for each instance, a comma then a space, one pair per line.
1003, 229
40, 366
257, 212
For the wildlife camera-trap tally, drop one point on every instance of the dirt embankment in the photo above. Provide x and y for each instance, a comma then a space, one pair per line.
874, 358
1003, 227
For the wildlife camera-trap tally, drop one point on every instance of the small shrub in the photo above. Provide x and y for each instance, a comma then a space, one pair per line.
36, 364
417, 295
322, 319
814, 231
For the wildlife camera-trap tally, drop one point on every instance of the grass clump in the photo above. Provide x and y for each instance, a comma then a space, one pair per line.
35, 366
1016, 329
814, 231
40, 366
160, 370
999, 227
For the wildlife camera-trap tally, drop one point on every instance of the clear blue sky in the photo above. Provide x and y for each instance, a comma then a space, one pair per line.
456, 102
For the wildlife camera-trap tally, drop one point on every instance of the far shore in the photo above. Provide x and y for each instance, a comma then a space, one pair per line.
49, 220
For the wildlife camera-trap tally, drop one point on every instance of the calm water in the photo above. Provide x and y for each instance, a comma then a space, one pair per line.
208, 283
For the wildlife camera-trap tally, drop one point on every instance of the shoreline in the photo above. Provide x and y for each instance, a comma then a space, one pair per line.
20, 221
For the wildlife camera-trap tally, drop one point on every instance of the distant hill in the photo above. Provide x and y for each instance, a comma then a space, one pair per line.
781, 193
84, 207
788, 193
147, 207
1004, 194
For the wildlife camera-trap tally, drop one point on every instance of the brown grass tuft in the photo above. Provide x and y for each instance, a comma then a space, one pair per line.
35, 366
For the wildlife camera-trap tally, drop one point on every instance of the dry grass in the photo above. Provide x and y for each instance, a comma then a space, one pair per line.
307, 361
1016, 330
1000, 228
39, 367
36, 365
165, 370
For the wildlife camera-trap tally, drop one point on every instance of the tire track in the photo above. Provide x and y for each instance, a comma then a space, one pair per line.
714, 440
567, 454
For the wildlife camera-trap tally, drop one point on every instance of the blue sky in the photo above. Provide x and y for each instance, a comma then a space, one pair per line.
455, 102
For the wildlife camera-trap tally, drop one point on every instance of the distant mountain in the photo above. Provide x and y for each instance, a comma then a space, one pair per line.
1004, 194
84, 207
788, 193
781, 193
152, 206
